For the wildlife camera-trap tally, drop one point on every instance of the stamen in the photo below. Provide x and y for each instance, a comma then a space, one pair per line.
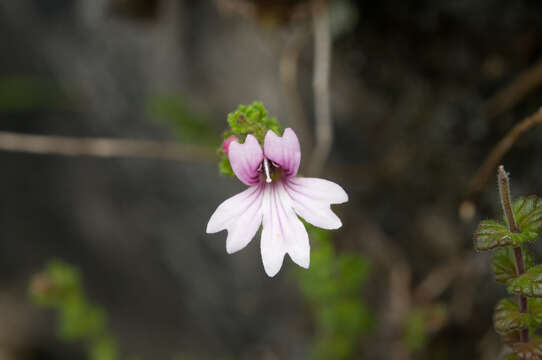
266, 168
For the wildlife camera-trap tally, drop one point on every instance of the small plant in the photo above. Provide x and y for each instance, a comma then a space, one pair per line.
513, 265
333, 289
60, 287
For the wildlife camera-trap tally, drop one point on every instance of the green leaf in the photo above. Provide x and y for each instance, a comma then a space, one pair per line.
511, 338
529, 351
528, 284
508, 318
503, 263
528, 214
492, 234
535, 311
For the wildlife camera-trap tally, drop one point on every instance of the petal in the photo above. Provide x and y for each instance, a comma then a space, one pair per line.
284, 151
241, 215
245, 159
282, 231
311, 199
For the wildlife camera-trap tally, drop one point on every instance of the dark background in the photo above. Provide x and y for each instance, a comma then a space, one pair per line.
411, 83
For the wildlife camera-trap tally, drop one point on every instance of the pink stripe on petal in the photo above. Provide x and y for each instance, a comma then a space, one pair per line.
284, 151
227, 214
282, 232
312, 204
319, 189
247, 224
245, 159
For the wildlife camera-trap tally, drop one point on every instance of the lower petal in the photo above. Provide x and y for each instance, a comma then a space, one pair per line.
282, 232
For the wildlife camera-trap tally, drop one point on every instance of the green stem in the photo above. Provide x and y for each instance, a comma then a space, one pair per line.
504, 192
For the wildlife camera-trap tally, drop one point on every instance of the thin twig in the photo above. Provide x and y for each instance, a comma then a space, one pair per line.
482, 175
322, 63
512, 94
100, 147
288, 75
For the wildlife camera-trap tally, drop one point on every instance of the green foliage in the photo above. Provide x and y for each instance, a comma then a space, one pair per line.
24, 93
512, 321
531, 350
60, 287
535, 311
419, 321
491, 234
528, 284
247, 119
333, 288
503, 263
188, 125
508, 318
528, 214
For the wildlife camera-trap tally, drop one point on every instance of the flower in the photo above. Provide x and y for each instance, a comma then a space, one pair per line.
274, 199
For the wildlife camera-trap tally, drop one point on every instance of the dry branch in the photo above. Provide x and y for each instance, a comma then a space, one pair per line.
489, 166
322, 63
100, 147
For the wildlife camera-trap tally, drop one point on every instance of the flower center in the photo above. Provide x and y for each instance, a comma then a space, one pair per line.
267, 171
271, 170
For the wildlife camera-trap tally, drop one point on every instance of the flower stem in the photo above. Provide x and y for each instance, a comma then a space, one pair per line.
504, 192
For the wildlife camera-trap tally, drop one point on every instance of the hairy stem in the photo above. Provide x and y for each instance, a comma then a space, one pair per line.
504, 192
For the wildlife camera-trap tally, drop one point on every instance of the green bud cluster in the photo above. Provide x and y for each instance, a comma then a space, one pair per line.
247, 119
513, 265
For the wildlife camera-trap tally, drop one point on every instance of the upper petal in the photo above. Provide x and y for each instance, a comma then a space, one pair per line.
284, 151
282, 232
241, 215
311, 199
245, 159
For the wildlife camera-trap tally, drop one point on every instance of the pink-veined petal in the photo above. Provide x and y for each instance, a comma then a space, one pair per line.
245, 159
284, 151
311, 199
241, 215
282, 232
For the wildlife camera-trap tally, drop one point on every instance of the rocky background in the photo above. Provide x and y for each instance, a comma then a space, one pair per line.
413, 87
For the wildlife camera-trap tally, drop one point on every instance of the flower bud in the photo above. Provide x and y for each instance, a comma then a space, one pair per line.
227, 142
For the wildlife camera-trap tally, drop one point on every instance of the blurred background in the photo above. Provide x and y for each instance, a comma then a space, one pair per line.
419, 93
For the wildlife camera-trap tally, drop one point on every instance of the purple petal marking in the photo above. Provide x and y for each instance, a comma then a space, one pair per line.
282, 231
284, 151
241, 216
311, 199
245, 159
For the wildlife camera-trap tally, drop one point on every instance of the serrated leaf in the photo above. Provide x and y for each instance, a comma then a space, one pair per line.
528, 284
531, 350
511, 337
528, 214
508, 318
503, 263
491, 234
535, 311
